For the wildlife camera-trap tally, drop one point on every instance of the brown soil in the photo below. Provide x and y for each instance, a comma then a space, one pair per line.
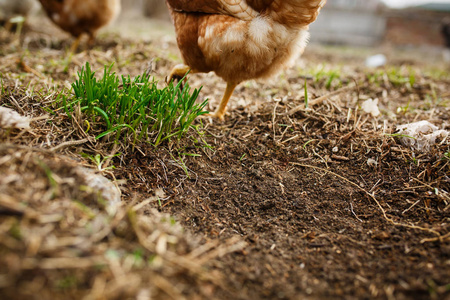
312, 227
318, 220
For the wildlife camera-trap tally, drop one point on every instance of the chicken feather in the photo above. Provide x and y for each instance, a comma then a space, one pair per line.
240, 40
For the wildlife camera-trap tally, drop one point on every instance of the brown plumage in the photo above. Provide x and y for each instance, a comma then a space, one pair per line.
79, 17
240, 39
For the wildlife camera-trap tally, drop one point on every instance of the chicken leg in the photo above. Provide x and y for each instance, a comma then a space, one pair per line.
179, 71
221, 109
73, 48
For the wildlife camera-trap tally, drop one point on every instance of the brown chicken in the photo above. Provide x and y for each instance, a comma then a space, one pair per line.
240, 39
80, 17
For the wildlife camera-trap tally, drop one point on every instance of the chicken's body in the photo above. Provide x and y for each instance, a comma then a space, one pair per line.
79, 17
241, 39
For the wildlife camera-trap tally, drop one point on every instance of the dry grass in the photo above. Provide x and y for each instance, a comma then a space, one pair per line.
60, 238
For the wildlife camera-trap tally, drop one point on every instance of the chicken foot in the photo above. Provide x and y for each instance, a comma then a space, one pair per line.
221, 109
179, 71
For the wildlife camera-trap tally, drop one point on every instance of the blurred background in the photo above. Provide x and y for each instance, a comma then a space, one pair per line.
408, 23
373, 22
404, 24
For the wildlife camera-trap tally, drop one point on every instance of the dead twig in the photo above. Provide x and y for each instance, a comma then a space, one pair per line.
441, 239
409, 208
69, 143
63, 263
26, 68
321, 99
353, 212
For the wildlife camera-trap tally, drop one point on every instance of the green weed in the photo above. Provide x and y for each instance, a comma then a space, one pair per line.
436, 73
99, 161
133, 107
404, 109
201, 137
67, 282
136, 259
306, 144
400, 135
2, 89
181, 163
396, 76
447, 156
15, 231
326, 76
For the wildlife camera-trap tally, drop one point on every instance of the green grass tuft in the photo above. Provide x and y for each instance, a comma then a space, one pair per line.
324, 75
133, 107
397, 76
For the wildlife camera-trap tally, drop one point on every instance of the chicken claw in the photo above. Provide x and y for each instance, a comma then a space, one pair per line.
178, 72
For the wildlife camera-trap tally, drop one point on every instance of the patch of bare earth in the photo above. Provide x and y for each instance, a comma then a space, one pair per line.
318, 218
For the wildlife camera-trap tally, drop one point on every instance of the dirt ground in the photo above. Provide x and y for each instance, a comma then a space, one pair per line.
328, 201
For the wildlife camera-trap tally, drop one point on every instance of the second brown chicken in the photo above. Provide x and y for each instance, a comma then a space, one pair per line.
240, 39
79, 17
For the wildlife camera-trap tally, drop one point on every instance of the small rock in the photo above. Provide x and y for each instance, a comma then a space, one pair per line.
372, 162
376, 61
371, 107
11, 119
420, 135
